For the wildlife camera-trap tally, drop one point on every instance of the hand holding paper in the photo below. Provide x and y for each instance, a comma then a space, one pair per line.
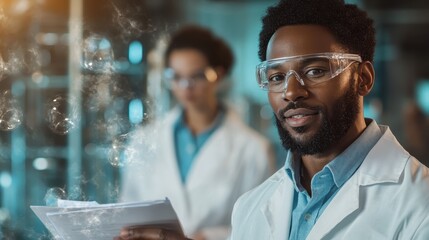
105, 221
150, 233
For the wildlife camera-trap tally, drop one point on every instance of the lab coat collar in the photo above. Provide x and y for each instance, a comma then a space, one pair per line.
337, 210
171, 167
377, 168
279, 206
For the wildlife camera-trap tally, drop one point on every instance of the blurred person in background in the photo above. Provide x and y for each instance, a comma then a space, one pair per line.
206, 155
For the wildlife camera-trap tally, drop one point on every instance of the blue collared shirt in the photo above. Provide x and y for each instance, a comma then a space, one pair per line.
326, 183
188, 145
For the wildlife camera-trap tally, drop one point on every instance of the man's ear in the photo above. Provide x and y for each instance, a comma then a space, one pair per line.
366, 78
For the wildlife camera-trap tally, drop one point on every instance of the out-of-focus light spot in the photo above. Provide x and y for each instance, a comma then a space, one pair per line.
104, 44
5, 179
49, 39
37, 77
21, 6
135, 52
40, 164
135, 111
4, 216
422, 95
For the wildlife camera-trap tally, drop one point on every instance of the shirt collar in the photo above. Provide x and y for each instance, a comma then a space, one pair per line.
181, 124
292, 168
344, 165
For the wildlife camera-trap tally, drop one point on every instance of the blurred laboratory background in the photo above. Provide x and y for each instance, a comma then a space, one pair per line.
77, 75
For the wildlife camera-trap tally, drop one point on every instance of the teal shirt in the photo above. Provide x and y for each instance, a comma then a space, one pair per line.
326, 183
188, 145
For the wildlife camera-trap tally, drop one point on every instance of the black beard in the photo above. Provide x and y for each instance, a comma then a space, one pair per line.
346, 109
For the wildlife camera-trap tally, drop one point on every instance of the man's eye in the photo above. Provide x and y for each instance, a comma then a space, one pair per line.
276, 78
315, 73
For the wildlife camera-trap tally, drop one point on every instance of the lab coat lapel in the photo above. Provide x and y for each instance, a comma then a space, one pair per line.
172, 170
343, 204
213, 154
206, 169
210, 156
375, 169
278, 209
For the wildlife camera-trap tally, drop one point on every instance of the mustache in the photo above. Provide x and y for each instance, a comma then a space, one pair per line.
295, 105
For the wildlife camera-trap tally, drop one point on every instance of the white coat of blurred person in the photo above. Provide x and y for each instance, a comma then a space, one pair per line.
206, 156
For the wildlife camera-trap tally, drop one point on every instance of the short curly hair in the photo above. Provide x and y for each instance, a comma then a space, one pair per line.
215, 49
350, 26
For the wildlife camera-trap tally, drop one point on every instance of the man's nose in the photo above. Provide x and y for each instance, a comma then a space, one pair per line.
294, 88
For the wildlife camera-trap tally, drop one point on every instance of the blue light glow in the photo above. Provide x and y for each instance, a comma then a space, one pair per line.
135, 111
104, 44
422, 95
5, 179
135, 52
40, 164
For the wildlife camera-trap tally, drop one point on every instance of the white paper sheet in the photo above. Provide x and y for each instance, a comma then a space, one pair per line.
105, 221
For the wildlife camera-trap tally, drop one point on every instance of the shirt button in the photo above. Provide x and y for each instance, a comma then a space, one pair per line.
307, 216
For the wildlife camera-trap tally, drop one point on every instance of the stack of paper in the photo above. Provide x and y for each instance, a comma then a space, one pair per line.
89, 220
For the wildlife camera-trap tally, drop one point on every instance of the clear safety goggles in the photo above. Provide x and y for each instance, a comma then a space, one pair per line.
171, 78
309, 70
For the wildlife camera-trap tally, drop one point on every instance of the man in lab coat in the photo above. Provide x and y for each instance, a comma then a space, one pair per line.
345, 176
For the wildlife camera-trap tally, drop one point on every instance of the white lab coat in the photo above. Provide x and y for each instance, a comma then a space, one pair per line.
387, 198
232, 161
